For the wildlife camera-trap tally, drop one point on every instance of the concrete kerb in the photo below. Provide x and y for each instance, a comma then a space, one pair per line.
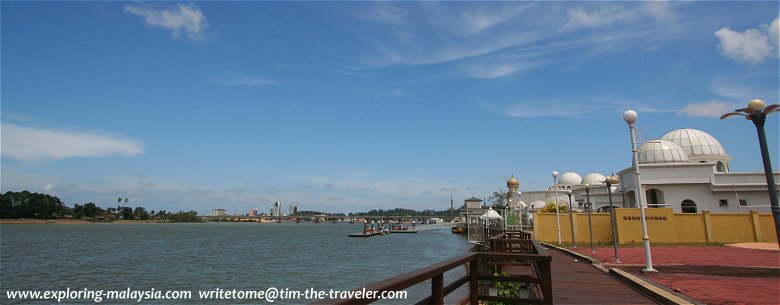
657, 293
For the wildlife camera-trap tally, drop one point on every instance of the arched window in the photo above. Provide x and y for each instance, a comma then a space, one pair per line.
721, 167
688, 206
654, 197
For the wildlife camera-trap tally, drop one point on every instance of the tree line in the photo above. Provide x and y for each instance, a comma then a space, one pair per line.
24, 204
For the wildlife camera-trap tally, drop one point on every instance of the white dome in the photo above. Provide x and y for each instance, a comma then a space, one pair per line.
661, 151
569, 179
537, 204
594, 179
695, 142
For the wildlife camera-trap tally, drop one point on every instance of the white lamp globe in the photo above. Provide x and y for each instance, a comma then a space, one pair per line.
630, 116
756, 104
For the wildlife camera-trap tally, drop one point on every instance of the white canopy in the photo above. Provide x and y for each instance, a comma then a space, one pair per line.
490, 214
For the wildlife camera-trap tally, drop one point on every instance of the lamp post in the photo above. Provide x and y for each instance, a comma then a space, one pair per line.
630, 117
571, 220
757, 113
557, 213
610, 181
590, 223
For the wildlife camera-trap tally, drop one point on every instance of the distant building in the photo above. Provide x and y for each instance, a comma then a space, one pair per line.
471, 210
293, 209
252, 212
218, 212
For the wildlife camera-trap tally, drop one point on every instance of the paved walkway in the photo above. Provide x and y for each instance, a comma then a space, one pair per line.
709, 274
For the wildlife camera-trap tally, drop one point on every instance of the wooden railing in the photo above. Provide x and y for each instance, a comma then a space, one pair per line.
524, 260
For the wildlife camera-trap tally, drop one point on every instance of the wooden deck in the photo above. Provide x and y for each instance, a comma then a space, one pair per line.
577, 282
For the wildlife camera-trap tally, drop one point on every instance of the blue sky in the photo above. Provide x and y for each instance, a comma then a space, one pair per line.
350, 106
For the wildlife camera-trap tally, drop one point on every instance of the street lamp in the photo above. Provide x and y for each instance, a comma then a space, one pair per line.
590, 223
571, 220
630, 117
557, 214
757, 113
610, 181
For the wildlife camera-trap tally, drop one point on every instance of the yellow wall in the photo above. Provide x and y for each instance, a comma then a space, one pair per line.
663, 225
732, 228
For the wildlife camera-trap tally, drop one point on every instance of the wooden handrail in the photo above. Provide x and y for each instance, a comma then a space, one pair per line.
538, 282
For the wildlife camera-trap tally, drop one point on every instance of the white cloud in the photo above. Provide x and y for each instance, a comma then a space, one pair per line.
497, 70
660, 11
578, 17
480, 19
182, 17
34, 144
710, 109
242, 80
751, 46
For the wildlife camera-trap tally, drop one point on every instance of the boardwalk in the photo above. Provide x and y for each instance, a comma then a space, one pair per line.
577, 282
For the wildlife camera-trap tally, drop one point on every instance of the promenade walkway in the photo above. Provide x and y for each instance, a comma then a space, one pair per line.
708, 274
578, 282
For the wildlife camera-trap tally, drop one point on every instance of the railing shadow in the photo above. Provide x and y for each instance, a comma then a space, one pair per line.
514, 261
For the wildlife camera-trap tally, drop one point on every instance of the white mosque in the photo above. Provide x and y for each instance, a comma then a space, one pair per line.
685, 169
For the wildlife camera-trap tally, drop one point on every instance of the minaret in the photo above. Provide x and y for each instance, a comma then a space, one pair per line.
512, 184
452, 207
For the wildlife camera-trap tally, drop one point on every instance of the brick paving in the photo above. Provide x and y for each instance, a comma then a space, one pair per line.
708, 274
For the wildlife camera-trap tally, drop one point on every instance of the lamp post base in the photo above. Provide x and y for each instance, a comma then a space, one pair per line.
649, 270
617, 261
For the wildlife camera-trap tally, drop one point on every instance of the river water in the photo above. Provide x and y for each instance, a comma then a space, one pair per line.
207, 256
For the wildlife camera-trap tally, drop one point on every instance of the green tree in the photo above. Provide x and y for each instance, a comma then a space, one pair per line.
91, 210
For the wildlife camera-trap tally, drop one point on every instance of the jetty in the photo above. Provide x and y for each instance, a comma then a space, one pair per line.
369, 231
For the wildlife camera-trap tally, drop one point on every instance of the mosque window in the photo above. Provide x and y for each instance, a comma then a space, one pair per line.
688, 206
743, 202
724, 202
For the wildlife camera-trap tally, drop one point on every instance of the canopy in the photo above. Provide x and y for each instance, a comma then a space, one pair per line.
490, 214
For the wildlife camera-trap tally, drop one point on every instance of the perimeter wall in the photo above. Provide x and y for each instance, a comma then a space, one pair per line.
663, 226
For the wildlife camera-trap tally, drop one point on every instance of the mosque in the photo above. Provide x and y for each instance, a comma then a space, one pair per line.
685, 169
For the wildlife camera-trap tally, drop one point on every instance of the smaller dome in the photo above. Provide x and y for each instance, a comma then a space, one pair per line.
570, 179
661, 151
512, 182
593, 179
537, 204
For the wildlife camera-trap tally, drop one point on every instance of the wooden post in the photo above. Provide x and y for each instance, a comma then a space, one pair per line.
474, 281
437, 290
547, 293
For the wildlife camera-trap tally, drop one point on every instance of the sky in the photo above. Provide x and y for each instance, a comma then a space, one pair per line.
352, 106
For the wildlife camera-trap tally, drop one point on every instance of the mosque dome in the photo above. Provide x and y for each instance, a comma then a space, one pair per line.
513, 182
569, 179
537, 204
695, 142
661, 151
593, 179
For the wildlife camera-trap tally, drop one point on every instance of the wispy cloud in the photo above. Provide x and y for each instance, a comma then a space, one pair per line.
180, 18
243, 80
483, 18
570, 107
36, 144
753, 46
612, 14
709, 109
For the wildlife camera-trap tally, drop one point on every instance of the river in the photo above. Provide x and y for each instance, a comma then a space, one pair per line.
207, 256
